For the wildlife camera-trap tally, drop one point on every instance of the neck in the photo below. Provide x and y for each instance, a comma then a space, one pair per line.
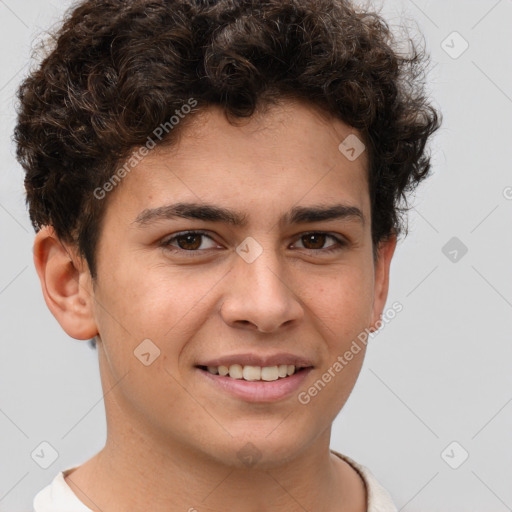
141, 468
134, 473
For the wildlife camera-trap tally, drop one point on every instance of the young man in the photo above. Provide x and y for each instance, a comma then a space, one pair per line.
216, 189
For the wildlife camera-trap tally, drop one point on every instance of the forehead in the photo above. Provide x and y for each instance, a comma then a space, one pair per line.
287, 155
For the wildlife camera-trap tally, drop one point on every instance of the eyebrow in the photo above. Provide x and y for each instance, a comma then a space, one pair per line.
213, 213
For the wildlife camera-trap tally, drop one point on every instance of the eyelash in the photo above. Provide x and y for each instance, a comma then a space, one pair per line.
166, 244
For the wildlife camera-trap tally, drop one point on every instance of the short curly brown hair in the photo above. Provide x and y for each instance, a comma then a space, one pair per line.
120, 68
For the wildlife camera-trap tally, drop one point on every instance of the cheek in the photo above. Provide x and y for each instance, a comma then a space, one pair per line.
163, 304
342, 303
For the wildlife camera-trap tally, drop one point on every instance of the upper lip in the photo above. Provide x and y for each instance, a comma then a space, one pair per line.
259, 360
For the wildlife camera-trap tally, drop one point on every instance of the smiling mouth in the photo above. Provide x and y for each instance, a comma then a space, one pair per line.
254, 373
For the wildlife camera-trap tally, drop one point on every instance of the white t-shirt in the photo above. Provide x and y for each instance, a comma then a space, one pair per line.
58, 496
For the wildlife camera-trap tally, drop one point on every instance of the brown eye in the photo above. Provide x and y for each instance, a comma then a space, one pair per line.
313, 240
320, 242
189, 242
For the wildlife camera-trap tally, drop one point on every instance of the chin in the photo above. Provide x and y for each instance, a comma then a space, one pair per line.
260, 450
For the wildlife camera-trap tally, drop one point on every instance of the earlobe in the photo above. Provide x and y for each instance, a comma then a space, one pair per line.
66, 284
382, 267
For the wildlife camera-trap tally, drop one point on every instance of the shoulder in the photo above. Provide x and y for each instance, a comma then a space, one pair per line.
379, 500
58, 497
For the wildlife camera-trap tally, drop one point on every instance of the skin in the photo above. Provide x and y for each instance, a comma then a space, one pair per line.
173, 438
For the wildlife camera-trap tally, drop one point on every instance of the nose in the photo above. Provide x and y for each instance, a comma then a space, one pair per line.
260, 295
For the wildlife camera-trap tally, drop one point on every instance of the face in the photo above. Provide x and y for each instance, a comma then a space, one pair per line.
240, 248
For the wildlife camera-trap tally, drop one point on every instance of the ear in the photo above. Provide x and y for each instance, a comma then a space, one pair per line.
385, 253
66, 283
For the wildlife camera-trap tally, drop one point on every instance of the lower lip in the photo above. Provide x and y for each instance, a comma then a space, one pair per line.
259, 391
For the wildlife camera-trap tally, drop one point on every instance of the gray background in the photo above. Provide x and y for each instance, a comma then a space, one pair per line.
439, 372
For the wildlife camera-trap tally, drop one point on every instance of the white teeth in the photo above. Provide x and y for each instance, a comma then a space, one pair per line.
236, 371
223, 370
269, 373
254, 373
